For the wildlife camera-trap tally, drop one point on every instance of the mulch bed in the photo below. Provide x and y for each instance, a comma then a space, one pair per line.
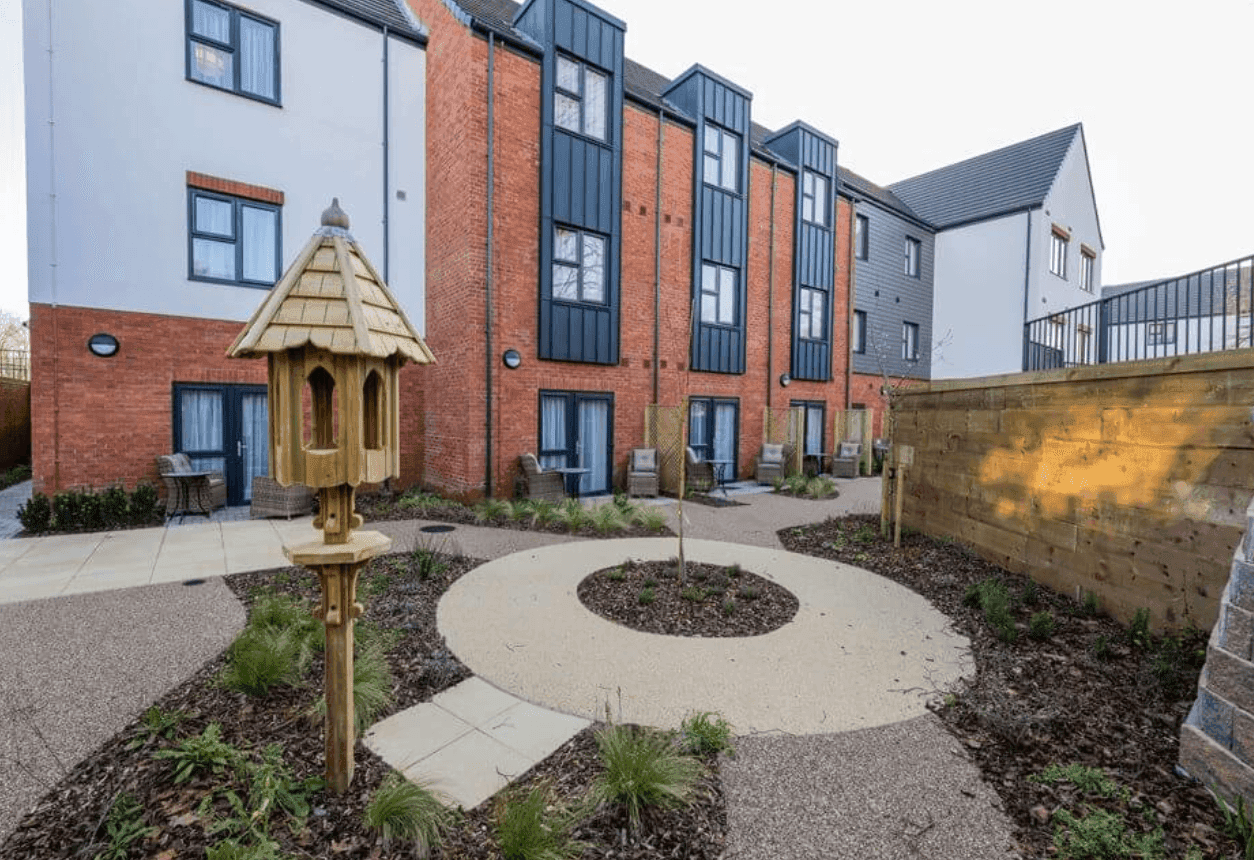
1086, 695
711, 500
720, 601
70, 821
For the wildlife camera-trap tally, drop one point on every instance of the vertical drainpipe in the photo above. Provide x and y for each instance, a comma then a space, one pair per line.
387, 256
657, 262
770, 292
850, 291
1027, 271
487, 321
52, 279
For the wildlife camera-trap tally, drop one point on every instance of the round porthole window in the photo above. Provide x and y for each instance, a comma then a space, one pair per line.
103, 345
512, 358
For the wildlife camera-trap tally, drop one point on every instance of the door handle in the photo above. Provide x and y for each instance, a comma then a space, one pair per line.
239, 448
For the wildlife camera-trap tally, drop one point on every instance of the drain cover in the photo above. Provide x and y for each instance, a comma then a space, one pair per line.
436, 529
193, 582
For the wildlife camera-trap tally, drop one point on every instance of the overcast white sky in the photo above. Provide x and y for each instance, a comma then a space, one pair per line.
1164, 92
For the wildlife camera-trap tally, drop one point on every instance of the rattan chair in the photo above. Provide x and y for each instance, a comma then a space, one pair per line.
539, 484
272, 499
700, 472
642, 474
205, 496
772, 463
845, 463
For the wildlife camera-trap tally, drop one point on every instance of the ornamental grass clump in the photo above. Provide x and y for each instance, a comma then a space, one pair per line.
705, 733
264, 657
372, 686
643, 768
608, 518
407, 812
531, 826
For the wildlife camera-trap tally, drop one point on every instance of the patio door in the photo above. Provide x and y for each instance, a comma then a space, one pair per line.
576, 431
713, 430
224, 428
815, 417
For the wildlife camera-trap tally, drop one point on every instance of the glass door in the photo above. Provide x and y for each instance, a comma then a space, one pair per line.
576, 431
224, 428
713, 431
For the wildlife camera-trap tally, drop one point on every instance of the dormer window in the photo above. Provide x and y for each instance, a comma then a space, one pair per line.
722, 159
579, 105
814, 198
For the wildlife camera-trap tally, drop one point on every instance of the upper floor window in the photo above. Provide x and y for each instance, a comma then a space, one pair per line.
1058, 252
1087, 259
810, 315
722, 160
913, 249
233, 239
1161, 333
718, 294
582, 96
910, 341
859, 331
233, 50
814, 198
861, 237
578, 265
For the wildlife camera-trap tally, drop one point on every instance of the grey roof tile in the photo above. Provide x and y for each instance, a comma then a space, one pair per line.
864, 187
393, 13
994, 183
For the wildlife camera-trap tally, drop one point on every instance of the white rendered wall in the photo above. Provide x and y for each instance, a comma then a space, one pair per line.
113, 126
977, 306
1070, 205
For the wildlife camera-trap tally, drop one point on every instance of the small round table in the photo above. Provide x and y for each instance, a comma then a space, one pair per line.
720, 473
568, 472
191, 484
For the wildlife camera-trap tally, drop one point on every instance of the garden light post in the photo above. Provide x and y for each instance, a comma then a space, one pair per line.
335, 340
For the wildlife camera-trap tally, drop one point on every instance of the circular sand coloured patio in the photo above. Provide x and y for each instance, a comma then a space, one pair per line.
862, 651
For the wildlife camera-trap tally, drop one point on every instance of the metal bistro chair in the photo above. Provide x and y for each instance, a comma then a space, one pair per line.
642, 475
539, 484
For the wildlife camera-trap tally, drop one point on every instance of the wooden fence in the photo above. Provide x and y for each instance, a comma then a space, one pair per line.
1128, 480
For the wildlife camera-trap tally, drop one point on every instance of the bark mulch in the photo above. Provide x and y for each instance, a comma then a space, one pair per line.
1091, 692
711, 601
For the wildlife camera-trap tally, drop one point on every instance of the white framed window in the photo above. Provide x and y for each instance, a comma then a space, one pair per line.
578, 265
232, 50
914, 250
721, 166
1087, 260
580, 103
910, 341
1058, 252
862, 237
859, 332
814, 198
232, 240
810, 314
718, 294
1161, 333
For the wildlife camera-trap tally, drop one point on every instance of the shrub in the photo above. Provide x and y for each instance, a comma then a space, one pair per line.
67, 509
90, 511
993, 598
16, 475
1041, 625
1101, 834
264, 657
573, 515
407, 812
820, 486
729, 606
206, 752
607, 518
617, 574
1090, 604
492, 509
1138, 631
36, 514
145, 506
124, 825
1031, 593
543, 512
647, 595
692, 593
525, 832
114, 506
642, 768
705, 733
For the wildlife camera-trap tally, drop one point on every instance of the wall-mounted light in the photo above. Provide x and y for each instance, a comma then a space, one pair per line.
784, 379
103, 345
511, 359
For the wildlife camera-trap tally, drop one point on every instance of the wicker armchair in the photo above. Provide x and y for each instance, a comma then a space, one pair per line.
538, 484
700, 472
204, 497
845, 463
642, 474
771, 464
272, 499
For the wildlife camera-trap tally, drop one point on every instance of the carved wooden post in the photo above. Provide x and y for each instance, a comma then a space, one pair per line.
334, 424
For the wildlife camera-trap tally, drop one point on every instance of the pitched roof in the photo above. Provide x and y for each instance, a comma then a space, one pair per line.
864, 187
333, 298
395, 14
1014, 177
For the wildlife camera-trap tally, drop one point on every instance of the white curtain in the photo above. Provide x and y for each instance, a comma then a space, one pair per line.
212, 22
200, 414
594, 428
259, 228
725, 435
594, 95
256, 67
814, 429
552, 432
256, 433
697, 434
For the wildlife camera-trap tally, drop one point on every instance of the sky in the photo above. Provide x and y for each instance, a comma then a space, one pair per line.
910, 86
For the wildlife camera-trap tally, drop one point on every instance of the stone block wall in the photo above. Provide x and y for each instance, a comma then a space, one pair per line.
1217, 739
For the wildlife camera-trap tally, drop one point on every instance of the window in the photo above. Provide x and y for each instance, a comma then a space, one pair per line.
1087, 259
579, 105
913, 248
1058, 252
810, 314
577, 432
578, 266
718, 294
859, 331
861, 237
713, 426
814, 198
233, 239
815, 412
1161, 333
232, 50
910, 341
722, 162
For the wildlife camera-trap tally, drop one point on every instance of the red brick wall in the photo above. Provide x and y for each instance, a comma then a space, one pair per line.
95, 420
867, 388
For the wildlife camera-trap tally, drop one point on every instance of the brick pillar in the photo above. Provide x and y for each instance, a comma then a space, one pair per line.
1217, 739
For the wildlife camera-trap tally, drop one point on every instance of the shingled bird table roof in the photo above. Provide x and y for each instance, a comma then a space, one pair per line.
331, 297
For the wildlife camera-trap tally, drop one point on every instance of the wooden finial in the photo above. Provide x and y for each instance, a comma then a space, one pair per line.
334, 216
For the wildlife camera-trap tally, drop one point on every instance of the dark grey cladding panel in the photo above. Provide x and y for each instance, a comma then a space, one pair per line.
816, 257
722, 227
805, 147
585, 168
579, 332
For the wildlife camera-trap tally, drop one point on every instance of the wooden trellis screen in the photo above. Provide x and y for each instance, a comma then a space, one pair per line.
786, 424
854, 425
664, 430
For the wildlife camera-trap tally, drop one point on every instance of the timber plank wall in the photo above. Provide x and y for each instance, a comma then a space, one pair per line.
14, 423
1129, 480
